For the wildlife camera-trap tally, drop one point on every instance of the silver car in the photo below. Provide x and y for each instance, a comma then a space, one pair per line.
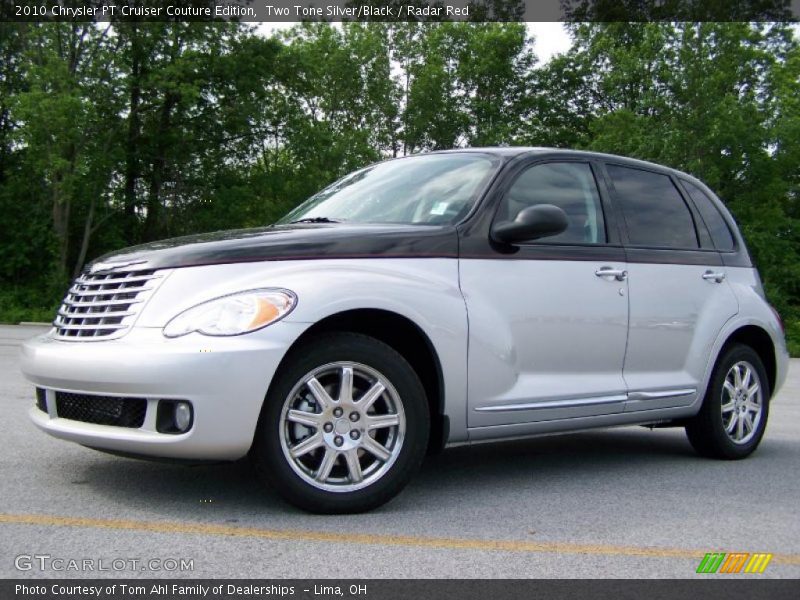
426, 301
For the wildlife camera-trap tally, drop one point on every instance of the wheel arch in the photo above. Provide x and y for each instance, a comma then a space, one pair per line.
405, 337
761, 342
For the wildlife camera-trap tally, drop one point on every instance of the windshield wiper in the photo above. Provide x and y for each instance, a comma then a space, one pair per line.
315, 220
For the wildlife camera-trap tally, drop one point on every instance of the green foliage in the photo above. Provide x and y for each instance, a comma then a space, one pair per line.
28, 303
718, 100
468, 84
114, 135
793, 336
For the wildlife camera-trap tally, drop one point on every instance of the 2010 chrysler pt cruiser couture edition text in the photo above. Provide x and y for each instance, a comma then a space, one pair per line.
436, 299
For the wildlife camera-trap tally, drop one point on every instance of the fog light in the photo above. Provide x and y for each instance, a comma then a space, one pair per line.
183, 416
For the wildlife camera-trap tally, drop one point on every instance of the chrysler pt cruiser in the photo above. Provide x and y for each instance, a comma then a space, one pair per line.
437, 299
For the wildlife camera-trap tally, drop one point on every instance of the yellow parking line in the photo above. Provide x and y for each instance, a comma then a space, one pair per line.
372, 539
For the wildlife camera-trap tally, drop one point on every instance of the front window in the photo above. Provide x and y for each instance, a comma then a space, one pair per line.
569, 186
433, 189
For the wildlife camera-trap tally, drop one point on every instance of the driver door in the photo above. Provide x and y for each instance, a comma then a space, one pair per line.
548, 319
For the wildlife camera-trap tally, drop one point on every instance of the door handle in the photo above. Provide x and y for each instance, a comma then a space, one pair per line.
716, 277
618, 274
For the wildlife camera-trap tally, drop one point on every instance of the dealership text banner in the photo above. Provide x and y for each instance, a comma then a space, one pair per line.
397, 589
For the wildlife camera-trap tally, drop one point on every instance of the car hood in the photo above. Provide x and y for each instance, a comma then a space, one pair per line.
287, 242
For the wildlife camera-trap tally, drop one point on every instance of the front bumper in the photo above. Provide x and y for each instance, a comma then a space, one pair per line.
225, 379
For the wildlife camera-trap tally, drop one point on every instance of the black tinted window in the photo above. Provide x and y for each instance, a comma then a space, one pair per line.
571, 187
654, 211
716, 224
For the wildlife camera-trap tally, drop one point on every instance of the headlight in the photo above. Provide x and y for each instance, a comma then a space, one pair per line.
235, 314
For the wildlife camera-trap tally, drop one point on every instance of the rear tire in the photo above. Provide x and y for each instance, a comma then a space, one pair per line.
344, 426
734, 414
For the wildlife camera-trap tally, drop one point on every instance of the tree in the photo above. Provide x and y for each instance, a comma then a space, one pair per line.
66, 116
110, 136
714, 99
470, 86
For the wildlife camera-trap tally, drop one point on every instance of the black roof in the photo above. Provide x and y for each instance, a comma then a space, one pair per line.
509, 152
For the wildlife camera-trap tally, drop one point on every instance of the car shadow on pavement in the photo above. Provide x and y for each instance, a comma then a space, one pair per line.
231, 493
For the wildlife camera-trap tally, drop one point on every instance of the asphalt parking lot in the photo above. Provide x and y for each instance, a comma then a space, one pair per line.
614, 503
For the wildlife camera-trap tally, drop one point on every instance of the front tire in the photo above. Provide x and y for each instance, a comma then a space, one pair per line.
734, 414
344, 426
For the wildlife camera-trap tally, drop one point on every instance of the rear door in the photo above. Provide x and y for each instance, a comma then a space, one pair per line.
679, 298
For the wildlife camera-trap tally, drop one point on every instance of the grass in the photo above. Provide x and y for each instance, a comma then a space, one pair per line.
19, 304
793, 337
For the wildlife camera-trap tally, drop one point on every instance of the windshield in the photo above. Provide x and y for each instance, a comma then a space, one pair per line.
432, 189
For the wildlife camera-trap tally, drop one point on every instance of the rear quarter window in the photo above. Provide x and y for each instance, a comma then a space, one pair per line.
720, 232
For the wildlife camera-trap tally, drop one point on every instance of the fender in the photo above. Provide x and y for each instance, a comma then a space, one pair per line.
734, 324
423, 290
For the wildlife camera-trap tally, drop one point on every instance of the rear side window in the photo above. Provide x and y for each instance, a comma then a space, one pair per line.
654, 210
717, 227
571, 187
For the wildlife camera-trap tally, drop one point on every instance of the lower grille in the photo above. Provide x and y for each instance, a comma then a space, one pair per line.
41, 399
101, 410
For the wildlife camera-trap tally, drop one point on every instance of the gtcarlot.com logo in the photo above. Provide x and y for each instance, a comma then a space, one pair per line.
47, 562
734, 562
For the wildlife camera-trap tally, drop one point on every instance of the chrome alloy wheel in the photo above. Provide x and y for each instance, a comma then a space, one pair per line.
742, 402
342, 426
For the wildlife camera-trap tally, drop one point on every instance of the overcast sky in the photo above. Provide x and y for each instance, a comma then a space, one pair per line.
549, 38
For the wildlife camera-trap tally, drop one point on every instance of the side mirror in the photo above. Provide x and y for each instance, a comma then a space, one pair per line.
532, 223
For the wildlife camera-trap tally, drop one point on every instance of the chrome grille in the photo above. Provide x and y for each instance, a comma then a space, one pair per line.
104, 305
